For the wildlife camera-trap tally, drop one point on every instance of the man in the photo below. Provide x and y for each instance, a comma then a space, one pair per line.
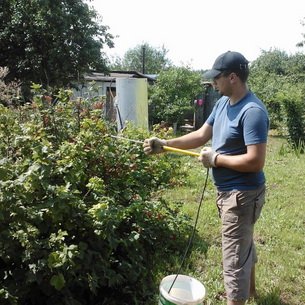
238, 127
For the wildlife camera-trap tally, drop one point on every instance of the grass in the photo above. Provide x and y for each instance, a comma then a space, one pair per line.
279, 233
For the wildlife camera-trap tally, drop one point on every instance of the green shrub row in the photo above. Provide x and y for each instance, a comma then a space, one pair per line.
81, 221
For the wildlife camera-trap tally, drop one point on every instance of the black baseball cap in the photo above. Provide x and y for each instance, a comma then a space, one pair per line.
229, 61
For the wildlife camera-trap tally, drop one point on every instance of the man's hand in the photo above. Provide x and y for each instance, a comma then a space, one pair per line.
153, 146
208, 157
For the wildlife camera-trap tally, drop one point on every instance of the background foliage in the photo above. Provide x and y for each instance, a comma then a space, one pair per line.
51, 42
142, 58
279, 80
171, 98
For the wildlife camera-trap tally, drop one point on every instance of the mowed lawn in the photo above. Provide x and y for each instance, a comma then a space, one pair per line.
279, 233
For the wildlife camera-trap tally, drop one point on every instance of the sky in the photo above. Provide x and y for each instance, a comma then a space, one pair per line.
195, 32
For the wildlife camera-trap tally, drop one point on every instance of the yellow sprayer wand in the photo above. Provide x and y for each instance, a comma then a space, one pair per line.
166, 148
181, 151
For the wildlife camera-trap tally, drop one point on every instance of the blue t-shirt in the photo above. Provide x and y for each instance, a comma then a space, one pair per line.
235, 127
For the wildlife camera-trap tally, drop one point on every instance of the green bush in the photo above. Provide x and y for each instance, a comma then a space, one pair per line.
172, 97
278, 80
81, 221
292, 99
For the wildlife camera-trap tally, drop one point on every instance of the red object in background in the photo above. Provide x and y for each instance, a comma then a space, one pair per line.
200, 102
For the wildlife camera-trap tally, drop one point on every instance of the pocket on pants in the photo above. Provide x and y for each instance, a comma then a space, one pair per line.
230, 218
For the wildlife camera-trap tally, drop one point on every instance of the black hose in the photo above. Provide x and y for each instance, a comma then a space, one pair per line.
191, 238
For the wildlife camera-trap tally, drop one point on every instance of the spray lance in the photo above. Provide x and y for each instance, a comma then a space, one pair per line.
166, 148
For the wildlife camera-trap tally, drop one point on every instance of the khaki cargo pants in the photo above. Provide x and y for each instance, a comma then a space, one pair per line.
239, 211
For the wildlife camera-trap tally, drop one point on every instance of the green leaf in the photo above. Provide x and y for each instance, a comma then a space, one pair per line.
58, 281
54, 260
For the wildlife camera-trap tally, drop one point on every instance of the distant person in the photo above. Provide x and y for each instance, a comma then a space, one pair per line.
238, 127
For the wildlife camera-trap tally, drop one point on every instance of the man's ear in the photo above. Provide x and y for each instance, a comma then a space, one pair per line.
233, 77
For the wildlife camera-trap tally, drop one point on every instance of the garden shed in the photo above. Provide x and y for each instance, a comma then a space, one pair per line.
104, 86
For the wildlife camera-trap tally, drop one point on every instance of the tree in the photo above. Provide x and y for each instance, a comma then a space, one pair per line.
272, 61
143, 58
278, 79
302, 42
268, 74
171, 98
51, 42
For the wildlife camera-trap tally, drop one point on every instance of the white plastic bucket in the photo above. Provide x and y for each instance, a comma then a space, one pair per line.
185, 291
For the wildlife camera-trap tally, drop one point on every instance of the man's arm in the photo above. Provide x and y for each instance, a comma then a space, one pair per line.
252, 161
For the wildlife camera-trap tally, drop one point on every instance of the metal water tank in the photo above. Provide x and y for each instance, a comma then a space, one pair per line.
132, 102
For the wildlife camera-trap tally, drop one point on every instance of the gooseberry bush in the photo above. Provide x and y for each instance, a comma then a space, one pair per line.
82, 219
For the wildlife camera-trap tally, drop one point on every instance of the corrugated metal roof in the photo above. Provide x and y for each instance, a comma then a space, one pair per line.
99, 77
96, 76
